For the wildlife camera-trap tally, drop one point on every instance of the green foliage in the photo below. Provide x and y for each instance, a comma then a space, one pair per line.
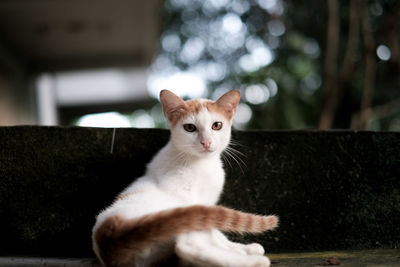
239, 44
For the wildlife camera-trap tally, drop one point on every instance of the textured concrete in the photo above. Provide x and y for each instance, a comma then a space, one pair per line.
49, 262
332, 190
360, 258
370, 258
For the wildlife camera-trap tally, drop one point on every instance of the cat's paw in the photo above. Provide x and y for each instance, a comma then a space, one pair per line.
254, 249
258, 261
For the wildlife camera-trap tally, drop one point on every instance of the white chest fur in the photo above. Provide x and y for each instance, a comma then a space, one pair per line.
192, 180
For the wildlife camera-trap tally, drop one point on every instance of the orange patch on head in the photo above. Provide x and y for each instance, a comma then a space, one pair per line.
175, 108
226, 104
190, 107
193, 106
213, 107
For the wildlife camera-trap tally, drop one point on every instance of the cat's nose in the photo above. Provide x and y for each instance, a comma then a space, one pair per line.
206, 143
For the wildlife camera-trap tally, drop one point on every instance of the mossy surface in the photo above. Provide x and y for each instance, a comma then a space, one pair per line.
332, 190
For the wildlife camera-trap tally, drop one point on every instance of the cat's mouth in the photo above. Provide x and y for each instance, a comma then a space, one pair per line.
207, 150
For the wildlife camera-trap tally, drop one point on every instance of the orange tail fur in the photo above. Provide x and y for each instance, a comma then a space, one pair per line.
119, 240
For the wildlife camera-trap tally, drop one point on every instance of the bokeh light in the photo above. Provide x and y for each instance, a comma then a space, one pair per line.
257, 94
383, 52
184, 84
242, 116
142, 119
106, 120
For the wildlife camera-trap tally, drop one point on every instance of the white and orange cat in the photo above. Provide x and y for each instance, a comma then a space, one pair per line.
172, 208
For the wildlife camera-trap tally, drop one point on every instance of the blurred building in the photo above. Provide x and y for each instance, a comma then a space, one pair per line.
57, 57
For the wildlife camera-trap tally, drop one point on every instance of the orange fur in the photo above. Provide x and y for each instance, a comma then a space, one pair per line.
189, 107
175, 108
213, 107
226, 104
121, 240
192, 107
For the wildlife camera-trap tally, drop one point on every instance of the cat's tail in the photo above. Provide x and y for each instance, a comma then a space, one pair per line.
120, 240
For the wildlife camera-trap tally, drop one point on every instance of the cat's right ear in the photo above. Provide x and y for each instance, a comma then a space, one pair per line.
173, 105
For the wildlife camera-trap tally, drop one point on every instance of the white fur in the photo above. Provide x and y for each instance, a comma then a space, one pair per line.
184, 173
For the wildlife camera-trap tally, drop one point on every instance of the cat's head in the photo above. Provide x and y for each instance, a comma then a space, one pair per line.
200, 127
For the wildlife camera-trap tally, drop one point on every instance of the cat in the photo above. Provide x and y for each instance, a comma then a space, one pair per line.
172, 208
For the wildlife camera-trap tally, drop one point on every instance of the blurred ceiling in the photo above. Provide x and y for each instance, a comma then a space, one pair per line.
51, 35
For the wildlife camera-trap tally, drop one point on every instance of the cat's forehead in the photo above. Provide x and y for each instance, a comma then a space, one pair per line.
197, 106
199, 111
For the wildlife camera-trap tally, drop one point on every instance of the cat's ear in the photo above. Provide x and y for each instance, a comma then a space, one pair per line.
228, 102
173, 105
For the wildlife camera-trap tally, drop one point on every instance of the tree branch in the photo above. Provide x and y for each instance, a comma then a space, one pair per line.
352, 42
330, 65
370, 67
378, 112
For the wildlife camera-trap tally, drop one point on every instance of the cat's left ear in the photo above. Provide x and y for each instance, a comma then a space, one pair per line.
228, 102
173, 105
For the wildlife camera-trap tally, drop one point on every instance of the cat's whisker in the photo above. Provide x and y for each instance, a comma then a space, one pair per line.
183, 146
236, 151
229, 152
226, 159
232, 155
237, 162
236, 143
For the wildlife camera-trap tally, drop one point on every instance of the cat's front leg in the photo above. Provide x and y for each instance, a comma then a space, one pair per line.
198, 248
249, 249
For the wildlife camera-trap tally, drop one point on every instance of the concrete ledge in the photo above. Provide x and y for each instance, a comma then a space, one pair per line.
52, 262
332, 190
370, 258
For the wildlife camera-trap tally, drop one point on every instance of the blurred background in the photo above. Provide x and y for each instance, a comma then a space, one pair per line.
298, 64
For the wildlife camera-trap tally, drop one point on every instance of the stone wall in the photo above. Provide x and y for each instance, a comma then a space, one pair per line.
332, 190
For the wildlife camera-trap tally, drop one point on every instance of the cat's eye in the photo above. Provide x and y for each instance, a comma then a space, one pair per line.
217, 125
189, 127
